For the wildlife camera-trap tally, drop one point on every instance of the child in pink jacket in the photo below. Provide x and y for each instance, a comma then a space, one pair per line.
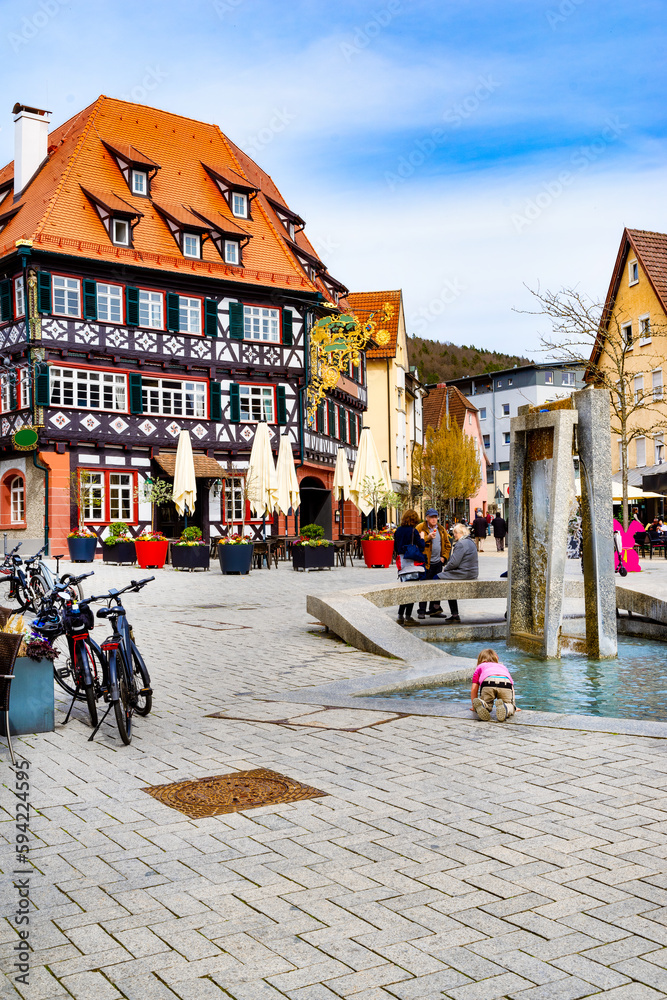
491, 682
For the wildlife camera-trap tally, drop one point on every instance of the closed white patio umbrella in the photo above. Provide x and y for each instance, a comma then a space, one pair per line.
262, 481
185, 484
367, 466
288, 484
341, 483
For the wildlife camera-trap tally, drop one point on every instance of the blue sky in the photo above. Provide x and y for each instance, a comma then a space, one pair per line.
455, 150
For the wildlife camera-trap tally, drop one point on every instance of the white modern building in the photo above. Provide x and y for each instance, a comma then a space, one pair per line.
498, 396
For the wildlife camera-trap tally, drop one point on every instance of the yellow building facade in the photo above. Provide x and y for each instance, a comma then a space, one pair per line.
635, 320
394, 392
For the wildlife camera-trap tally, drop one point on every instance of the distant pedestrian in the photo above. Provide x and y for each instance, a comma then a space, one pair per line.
479, 528
436, 553
499, 525
491, 682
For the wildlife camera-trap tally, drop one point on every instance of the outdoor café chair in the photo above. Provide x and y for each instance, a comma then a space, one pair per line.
9, 647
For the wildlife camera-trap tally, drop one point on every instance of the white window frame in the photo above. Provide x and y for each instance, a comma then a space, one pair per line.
482, 413
119, 226
189, 314
24, 390
232, 255
486, 440
70, 292
153, 304
506, 437
657, 385
626, 331
506, 409
258, 402
239, 204
121, 493
548, 378
633, 272
569, 378
644, 329
108, 297
192, 252
19, 296
638, 393
173, 397
640, 441
140, 188
17, 500
66, 383
234, 500
5, 393
262, 324
93, 496
659, 448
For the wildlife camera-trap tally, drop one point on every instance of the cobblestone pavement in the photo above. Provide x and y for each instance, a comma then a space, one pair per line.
447, 859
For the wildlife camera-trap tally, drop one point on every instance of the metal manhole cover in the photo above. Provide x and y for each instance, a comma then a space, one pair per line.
225, 793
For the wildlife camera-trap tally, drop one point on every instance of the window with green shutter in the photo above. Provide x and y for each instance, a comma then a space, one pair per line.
173, 317
331, 421
236, 321
42, 384
90, 299
44, 292
234, 403
353, 429
211, 317
136, 393
13, 394
319, 423
342, 424
132, 306
281, 404
215, 401
6, 301
288, 338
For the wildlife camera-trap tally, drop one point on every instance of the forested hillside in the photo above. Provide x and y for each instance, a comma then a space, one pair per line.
438, 362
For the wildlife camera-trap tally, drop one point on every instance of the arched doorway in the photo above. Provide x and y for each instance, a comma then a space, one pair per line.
315, 504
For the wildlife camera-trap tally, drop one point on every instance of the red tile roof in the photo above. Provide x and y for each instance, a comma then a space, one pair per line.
435, 406
363, 304
57, 215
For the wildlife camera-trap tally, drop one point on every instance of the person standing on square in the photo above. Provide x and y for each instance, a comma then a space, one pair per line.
499, 525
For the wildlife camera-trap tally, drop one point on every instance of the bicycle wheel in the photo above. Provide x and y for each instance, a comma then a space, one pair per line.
143, 682
122, 706
84, 658
39, 592
23, 595
63, 670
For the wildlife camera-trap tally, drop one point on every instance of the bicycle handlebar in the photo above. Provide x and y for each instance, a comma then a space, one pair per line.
134, 585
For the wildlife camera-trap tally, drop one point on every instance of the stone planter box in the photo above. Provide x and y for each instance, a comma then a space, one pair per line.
30, 698
235, 558
190, 557
378, 553
121, 552
316, 557
151, 555
82, 549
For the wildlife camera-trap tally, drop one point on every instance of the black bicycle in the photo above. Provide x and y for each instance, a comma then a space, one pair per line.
41, 579
128, 681
11, 572
80, 667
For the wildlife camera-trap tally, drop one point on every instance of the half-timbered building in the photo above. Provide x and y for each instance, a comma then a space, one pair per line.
153, 279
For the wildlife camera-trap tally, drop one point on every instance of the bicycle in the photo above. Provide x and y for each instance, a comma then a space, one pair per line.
129, 684
82, 673
42, 580
11, 572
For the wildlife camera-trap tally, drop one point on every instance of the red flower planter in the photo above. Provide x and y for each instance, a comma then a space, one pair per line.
151, 555
378, 553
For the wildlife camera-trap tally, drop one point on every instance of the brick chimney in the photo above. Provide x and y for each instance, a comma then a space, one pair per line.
31, 137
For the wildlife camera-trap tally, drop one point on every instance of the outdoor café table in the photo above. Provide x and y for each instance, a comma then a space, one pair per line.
344, 548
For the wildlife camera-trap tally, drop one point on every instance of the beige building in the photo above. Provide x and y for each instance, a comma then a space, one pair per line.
394, 391
635, 331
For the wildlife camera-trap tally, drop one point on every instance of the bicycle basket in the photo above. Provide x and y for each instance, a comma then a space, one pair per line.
81, 620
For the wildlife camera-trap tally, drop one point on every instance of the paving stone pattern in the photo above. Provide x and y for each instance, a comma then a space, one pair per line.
449, 859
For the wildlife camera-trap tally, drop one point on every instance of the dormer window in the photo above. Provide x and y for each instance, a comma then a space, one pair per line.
231, 252
633, 272
239, 205
139, 182
291, 229
191, 245
120, 232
